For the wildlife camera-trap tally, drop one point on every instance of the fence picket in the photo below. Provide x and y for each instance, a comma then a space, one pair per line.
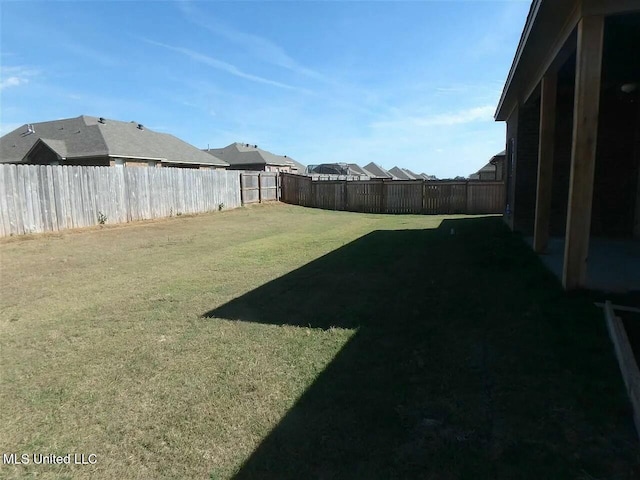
37, 198
406, 197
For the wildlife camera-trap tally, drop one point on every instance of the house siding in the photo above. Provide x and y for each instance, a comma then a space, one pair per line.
616, 180
261, 167
510, 170
562, 149
525, 174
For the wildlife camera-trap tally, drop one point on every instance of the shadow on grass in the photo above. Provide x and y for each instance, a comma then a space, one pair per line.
469, 362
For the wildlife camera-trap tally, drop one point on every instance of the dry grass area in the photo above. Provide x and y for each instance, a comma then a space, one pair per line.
281, 342
104, 350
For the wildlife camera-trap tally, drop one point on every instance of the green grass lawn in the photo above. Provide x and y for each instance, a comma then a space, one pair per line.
283, 342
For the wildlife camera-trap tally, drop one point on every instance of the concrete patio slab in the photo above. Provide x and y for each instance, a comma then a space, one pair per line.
613, 264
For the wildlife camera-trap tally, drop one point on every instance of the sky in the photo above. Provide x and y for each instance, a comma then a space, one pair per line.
409, 84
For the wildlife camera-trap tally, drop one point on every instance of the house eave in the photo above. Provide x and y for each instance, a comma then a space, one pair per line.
548, 39
500, 115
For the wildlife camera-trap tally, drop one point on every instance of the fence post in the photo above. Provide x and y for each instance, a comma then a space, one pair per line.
259, 188
241, 191
345, 192
383, 196
278, 183
467, 200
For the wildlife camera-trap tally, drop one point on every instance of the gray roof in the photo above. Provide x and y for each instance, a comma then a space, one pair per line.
491, 166
246, 154
358, 170
411, 174
296, 165
488, 168
86, 136
428, 177
377, 171
399, 173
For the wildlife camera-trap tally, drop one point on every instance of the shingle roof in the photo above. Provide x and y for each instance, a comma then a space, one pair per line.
488, 168
411, 174
358, 170
491, 166
297, 165
246, 154
58, 146
377, 171
428, 177
86, 136
399, 173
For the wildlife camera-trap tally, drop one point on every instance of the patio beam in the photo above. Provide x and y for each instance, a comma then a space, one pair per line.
583, 150
548, 89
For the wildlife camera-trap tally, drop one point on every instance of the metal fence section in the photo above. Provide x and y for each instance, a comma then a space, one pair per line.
395, 196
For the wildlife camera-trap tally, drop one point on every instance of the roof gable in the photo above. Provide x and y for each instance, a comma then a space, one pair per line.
377, 171
399, 173
86, 136
247, 154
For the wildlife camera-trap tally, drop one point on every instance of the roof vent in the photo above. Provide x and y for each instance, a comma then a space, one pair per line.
246, 144
140, 126
285, 156
255, 146
101, 120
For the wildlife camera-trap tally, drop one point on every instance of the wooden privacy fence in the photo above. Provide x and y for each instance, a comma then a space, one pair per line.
395, 196
39, 198
258, 187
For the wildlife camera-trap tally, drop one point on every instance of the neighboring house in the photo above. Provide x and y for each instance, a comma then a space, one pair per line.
356, 169
488, 172
411, 174
94, 141
329, 169
571, 106
492, 171
244, 156
400, 174
377, 171
296, 167
428, 177
498, 162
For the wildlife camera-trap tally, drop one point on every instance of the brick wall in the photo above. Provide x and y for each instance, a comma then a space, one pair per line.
526, 168
510, 173
617, 175
562, 149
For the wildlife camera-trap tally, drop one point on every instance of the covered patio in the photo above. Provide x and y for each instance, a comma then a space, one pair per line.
571, 103
613, 264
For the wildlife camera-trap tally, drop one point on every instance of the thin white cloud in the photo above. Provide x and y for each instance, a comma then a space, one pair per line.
261, 47
465, 116
224, 66
12, 82
483, 113
15, 76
